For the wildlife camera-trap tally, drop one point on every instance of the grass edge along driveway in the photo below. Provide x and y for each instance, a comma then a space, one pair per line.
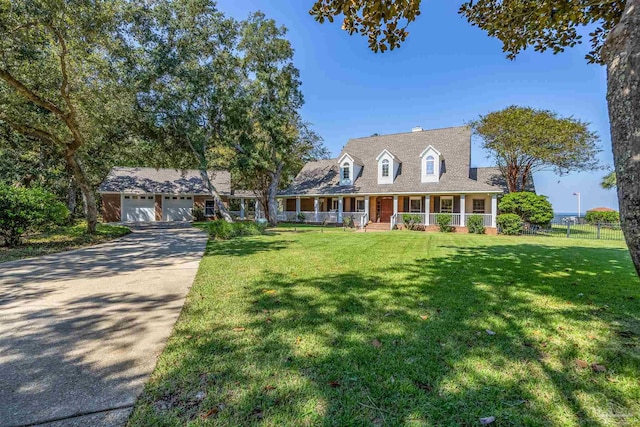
402, 328
62, 239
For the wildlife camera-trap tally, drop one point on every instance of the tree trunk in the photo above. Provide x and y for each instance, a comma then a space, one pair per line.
622, 56
89, 199
72, 198
217, 200
273, 192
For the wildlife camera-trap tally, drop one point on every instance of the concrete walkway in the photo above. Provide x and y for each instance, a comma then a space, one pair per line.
80, 331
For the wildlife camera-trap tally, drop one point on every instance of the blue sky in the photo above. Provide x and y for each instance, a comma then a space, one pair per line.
446, 73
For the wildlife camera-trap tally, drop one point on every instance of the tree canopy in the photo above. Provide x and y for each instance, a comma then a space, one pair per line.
524, 140
518, 24
61, 81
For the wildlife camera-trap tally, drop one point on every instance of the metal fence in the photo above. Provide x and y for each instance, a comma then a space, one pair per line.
576, 230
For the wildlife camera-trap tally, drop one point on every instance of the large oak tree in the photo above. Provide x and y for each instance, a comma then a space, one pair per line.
543, 25
61, 80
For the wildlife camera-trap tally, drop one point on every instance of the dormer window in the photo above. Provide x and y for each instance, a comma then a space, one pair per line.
346, 171
431, 161
431, 165
350, 168
388, 166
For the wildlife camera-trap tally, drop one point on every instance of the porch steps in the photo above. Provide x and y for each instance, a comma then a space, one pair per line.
377, 226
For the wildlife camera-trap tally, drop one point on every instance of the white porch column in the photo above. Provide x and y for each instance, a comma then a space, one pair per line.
462, 209
366, 205
241, 208
316, 207
395, 205
494, 209
427, 208
257, 209
297, 205
340, 207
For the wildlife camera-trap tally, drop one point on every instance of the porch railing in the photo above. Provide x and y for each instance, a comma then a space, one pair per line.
455, 218
359, 218
486, 218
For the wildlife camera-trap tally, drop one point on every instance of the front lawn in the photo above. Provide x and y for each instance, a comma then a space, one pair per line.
62, 239
403, 328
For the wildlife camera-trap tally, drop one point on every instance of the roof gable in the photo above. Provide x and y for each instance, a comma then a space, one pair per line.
426, 150
388, 153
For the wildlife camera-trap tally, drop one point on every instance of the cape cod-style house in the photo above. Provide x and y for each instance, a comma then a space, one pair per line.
376, 179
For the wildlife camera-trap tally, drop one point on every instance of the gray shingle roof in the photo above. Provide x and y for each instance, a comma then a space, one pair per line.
493, 176
322, 177
167, 181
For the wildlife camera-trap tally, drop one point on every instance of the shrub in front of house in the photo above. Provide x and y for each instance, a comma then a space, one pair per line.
223, 230
301, 217
510, 224
607, 217
347, 222
475, 224
412, 222
532, 208
443, 221
27, 210
198, 215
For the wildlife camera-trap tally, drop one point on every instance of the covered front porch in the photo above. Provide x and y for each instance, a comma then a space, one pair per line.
391, 209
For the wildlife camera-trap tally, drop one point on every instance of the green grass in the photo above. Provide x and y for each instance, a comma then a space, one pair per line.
355, 329
62, 239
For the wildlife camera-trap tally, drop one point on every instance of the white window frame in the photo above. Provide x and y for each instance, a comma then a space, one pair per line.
346, 167
213, 207
484, 206
430, 154
358, 201
443, 198
387, 163
431, 161
413, 199
334, 204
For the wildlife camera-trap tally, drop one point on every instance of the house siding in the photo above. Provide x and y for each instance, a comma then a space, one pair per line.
111, 207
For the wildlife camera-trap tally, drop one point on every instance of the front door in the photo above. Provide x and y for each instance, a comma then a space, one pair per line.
386, 209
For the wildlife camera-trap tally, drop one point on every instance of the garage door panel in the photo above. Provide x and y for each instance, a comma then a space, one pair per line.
138, 209
177, 208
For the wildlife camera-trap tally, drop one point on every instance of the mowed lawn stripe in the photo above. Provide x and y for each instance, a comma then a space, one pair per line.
332, 327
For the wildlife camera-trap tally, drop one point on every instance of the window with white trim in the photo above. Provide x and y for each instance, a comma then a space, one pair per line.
431, 165
415, 204
385, 168
346, 173
446, 204
334, 204
359, 205
478, 206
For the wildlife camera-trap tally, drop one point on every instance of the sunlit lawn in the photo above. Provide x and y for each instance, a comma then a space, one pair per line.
61, 239
403, 328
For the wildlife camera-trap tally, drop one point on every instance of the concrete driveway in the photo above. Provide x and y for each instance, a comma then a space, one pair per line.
80, 331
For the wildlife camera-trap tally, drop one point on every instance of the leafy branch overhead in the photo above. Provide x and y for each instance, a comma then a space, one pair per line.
518, 24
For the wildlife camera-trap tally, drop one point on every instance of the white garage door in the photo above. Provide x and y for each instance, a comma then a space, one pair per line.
177, 208
138, 209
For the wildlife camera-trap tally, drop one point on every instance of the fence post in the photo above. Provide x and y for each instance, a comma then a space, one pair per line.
598, 229
568, 229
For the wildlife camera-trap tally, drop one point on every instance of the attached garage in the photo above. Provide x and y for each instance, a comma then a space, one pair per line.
177, 208
131, 194
138, 208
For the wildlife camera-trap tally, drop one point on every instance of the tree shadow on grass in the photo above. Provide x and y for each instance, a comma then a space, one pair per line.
483, 331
